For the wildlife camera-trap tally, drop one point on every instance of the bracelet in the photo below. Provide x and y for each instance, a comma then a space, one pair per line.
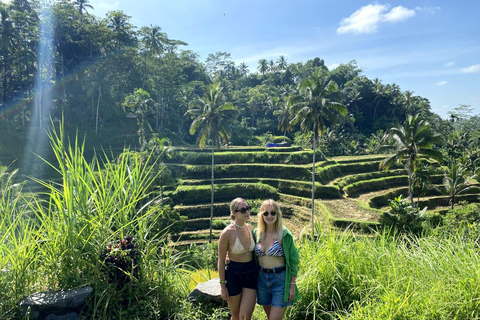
292, 282
223, 281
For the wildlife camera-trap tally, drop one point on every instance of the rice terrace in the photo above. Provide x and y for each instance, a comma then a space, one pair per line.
125, 137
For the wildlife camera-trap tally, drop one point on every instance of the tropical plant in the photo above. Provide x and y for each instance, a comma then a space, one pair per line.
82, 5
212, 118
317, 105
262, 66
455, 181
138, 103
283, 112
413, 141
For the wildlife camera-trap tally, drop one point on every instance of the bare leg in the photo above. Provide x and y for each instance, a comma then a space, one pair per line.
234, 304
247, 303
267, 311
276, 313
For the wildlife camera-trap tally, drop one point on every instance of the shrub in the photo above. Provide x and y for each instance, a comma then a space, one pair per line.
403, 217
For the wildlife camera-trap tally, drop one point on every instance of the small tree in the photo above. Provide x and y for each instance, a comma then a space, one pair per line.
455, 182
138, 103
413, 140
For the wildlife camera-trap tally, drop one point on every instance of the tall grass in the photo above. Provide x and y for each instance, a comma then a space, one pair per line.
55, 241
344, 277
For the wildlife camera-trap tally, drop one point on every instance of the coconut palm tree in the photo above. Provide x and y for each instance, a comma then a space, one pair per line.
212, 118
317, 105
262, 66
455, 181
282, 63
82, 6
283, 112
138, 102
414, 140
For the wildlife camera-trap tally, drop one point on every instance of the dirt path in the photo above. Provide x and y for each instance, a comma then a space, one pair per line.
350, 209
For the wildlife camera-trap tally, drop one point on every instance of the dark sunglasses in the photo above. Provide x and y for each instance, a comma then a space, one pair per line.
244, 210
273, 213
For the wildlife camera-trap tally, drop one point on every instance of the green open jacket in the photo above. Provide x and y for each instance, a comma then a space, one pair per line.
291, 260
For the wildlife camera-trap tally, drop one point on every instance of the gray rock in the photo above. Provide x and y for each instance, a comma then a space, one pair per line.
41, 304
68, 316
209, 290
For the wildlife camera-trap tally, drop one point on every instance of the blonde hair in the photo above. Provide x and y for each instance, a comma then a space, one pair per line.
234, 206
261, 227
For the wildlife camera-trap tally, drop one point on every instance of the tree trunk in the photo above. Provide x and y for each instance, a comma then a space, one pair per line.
410, 178
98, 107
212, 192
313, 186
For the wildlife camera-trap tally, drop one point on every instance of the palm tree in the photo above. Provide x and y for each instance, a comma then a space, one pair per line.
413, 141
454, 181
154, 39
99, 82
243, 68
283, 113
121, 28
82, 5
317, 104
282, 63
212, 119
138, 102
262, 66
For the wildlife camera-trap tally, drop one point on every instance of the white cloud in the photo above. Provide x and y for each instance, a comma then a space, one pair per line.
441, 83
450, 64
367, 18
333, 66
431, 10
472, 69
398, 14
364, 20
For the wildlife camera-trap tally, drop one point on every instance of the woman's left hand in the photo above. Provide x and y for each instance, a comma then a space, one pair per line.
292, 292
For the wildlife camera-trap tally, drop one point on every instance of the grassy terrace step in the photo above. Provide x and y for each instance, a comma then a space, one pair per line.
237, 149
298, 188
381, 200
354, 159
223, 192
202, 234
229, 157
352, 178
329, 173
258, 170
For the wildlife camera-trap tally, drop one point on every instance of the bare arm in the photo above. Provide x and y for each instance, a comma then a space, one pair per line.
222, 253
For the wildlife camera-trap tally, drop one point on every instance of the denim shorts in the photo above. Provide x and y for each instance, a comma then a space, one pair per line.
271, 289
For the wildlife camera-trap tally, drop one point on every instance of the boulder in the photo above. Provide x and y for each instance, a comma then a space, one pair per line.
209, 291
41, 305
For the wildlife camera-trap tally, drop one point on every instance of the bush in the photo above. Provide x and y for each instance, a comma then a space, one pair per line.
403, 217
465, 219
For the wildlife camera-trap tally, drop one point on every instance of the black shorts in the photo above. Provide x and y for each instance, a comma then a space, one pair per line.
241, 275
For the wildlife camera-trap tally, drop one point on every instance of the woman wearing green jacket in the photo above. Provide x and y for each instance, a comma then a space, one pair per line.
278, 259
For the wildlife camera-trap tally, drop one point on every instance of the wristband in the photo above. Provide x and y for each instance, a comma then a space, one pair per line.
292, 283
223, 281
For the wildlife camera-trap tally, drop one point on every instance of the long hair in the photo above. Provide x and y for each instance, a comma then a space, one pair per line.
234, 206
270, 203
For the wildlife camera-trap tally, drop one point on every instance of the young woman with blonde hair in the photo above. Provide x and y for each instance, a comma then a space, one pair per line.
278, 259
238, 277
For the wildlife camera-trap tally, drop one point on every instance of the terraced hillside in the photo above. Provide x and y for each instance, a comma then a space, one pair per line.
350, 191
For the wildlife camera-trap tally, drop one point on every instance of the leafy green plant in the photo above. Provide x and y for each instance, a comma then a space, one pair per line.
403, 216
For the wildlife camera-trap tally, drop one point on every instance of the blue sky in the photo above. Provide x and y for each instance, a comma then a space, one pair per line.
430, 47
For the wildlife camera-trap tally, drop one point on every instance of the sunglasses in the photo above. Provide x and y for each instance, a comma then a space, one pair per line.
273, 213
244, 210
